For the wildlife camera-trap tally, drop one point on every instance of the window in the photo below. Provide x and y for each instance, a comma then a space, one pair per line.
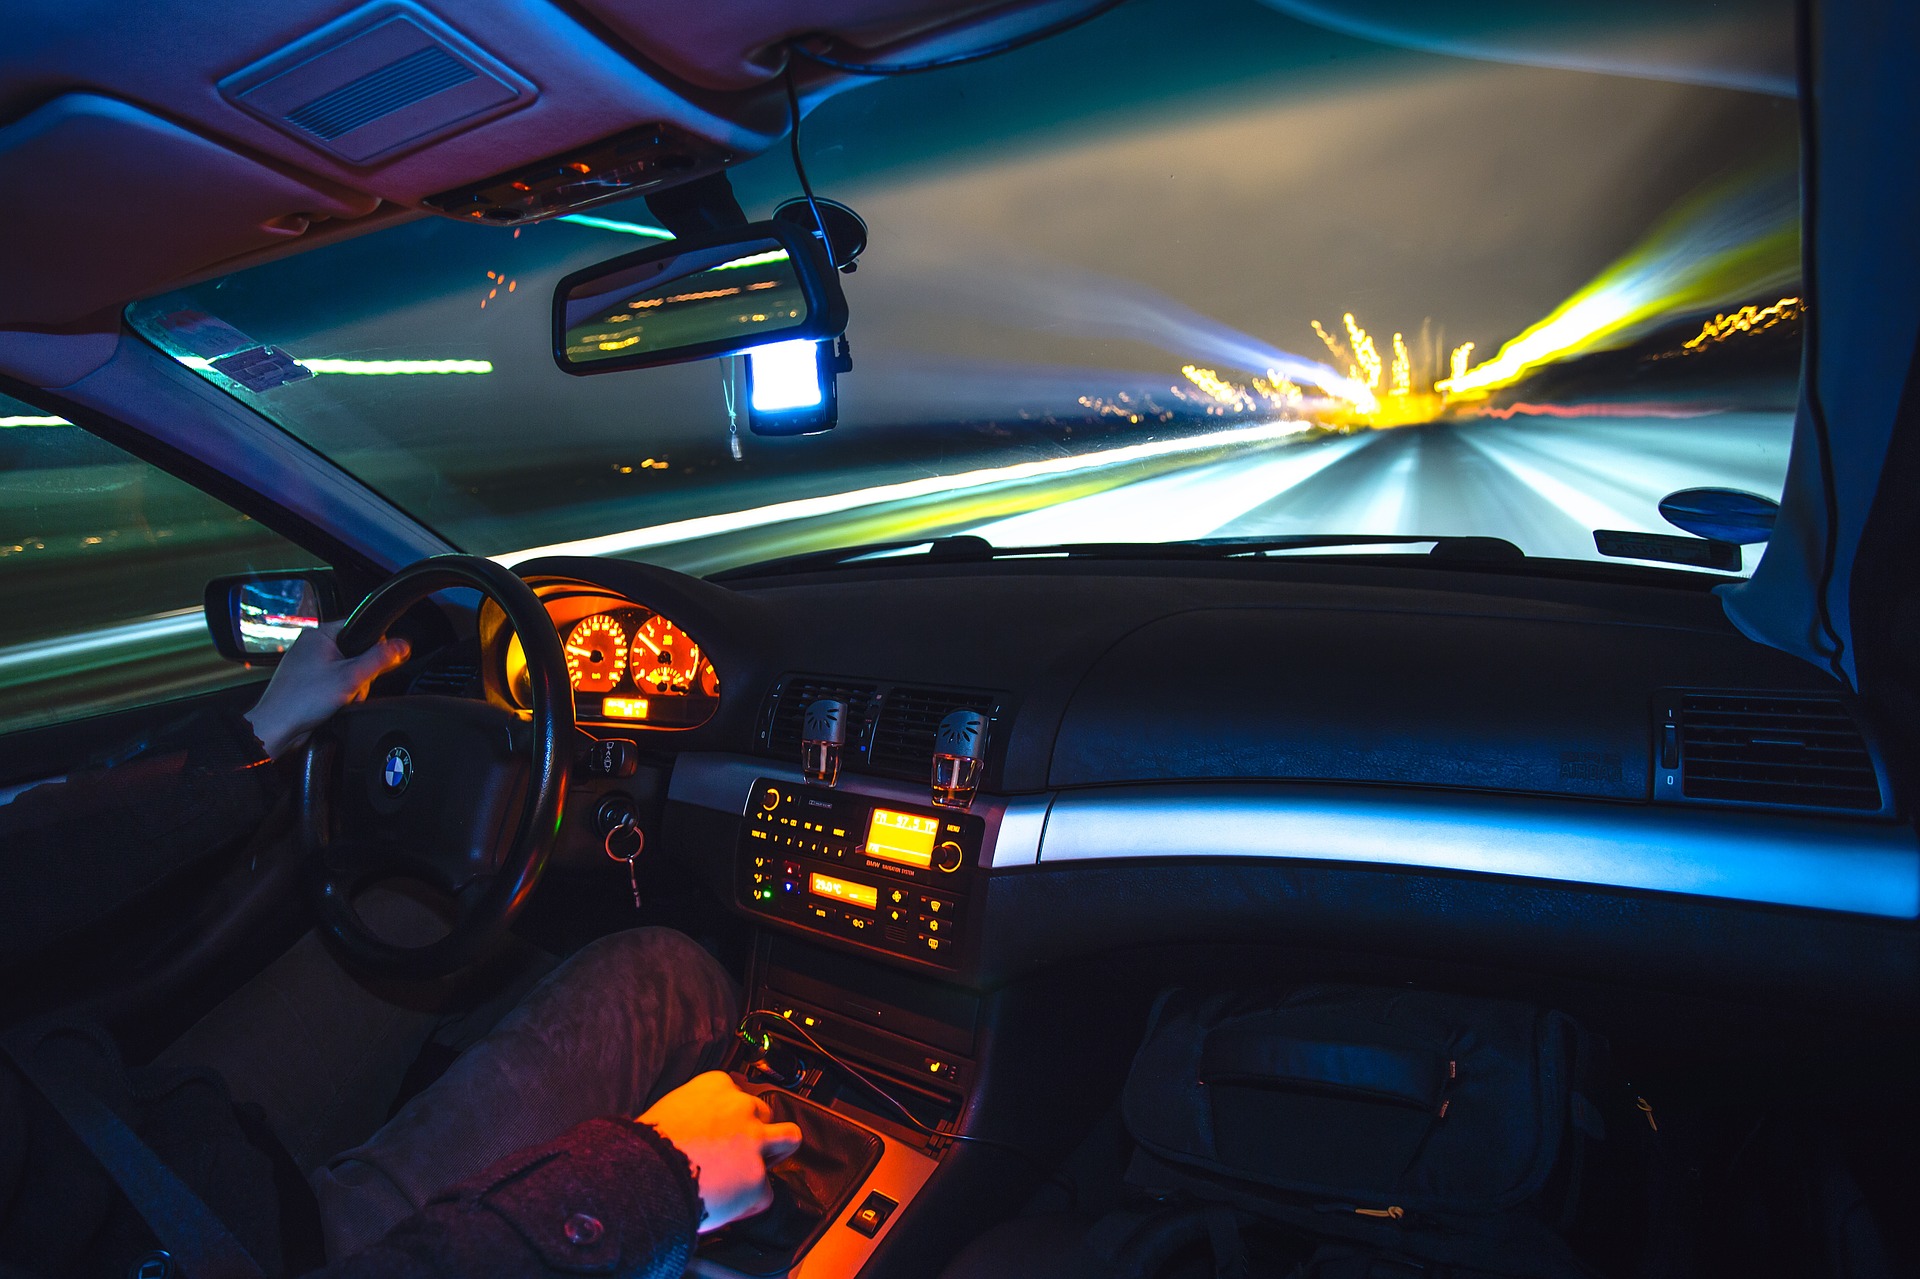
104, 560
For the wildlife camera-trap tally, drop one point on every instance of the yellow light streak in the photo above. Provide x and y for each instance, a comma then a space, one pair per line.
1462, 354
1748, 319
1333, 344
1218, 388
1736, 240
1279, 390
1366, 355
1402, 367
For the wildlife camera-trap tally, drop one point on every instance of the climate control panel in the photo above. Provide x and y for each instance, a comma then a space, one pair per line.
892, 876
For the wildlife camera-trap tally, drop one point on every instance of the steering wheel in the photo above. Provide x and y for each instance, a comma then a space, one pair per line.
462, 795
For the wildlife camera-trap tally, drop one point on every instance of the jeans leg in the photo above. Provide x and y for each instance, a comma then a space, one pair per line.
321, 1052
628, 1018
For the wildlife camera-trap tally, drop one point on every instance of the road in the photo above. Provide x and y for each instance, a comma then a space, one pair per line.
1543, 484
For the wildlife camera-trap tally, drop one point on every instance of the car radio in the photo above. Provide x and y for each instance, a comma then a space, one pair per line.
882, 874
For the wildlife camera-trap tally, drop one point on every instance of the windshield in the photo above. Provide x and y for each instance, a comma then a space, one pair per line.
1195, 269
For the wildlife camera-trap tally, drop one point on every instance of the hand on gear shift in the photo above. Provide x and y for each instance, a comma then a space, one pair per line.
726, 1136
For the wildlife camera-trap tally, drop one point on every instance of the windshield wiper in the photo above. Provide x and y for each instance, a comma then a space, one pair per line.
966, 548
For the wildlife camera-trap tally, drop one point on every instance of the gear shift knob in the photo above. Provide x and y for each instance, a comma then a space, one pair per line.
959, 754
822, 736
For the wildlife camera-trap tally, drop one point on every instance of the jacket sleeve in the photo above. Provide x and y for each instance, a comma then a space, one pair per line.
611, 1197
74, 850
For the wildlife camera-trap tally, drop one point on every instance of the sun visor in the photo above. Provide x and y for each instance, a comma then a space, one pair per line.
106, 202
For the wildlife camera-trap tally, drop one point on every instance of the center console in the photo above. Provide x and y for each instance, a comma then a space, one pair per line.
892, 876
862, 982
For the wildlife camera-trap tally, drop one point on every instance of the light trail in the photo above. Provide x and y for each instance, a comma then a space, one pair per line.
384, 368
166, 629
931, 486
1172, 508
608, 224
1748, 319
1730, 242
7, 423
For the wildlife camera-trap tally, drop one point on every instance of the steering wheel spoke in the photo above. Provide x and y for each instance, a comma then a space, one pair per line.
461, 795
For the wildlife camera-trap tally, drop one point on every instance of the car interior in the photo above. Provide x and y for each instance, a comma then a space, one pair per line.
956, 787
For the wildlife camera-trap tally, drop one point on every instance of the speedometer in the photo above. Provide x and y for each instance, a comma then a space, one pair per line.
596, 654
664, 659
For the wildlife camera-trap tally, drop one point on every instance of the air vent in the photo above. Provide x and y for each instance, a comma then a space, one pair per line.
453, 676
1767, 749
780, 734
386, 78
909, 717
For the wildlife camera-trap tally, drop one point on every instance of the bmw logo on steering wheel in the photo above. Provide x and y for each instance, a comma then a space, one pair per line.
398, 771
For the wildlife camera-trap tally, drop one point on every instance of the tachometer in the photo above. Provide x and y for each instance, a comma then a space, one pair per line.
596, 654
664, 659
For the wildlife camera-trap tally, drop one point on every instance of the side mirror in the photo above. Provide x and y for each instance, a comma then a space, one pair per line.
697, 299
255, 617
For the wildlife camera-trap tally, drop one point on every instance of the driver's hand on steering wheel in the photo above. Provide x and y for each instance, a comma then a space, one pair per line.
725, 1135
313, 681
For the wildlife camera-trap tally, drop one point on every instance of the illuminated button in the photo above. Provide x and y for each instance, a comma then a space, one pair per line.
898, 896
838, 833
770, 800
934, 905
931, 943
871, 1214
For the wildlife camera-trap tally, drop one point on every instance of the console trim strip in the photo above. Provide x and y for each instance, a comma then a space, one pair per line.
1774, 859
1868, 868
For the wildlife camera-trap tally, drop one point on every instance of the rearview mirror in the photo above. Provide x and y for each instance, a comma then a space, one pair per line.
255, 617
696, 299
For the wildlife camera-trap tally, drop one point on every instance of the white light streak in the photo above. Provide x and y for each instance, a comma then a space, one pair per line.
931, 486
158, 628
383, 367
376, 368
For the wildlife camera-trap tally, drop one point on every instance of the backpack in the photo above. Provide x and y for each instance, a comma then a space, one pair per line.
1400, 1131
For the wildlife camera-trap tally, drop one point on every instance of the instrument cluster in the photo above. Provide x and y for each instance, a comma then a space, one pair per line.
627, 664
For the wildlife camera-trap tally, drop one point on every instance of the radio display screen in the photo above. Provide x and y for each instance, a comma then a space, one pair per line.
841, 891
906, 838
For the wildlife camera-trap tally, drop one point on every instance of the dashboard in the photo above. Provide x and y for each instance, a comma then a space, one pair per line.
627, 664
1594, 773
